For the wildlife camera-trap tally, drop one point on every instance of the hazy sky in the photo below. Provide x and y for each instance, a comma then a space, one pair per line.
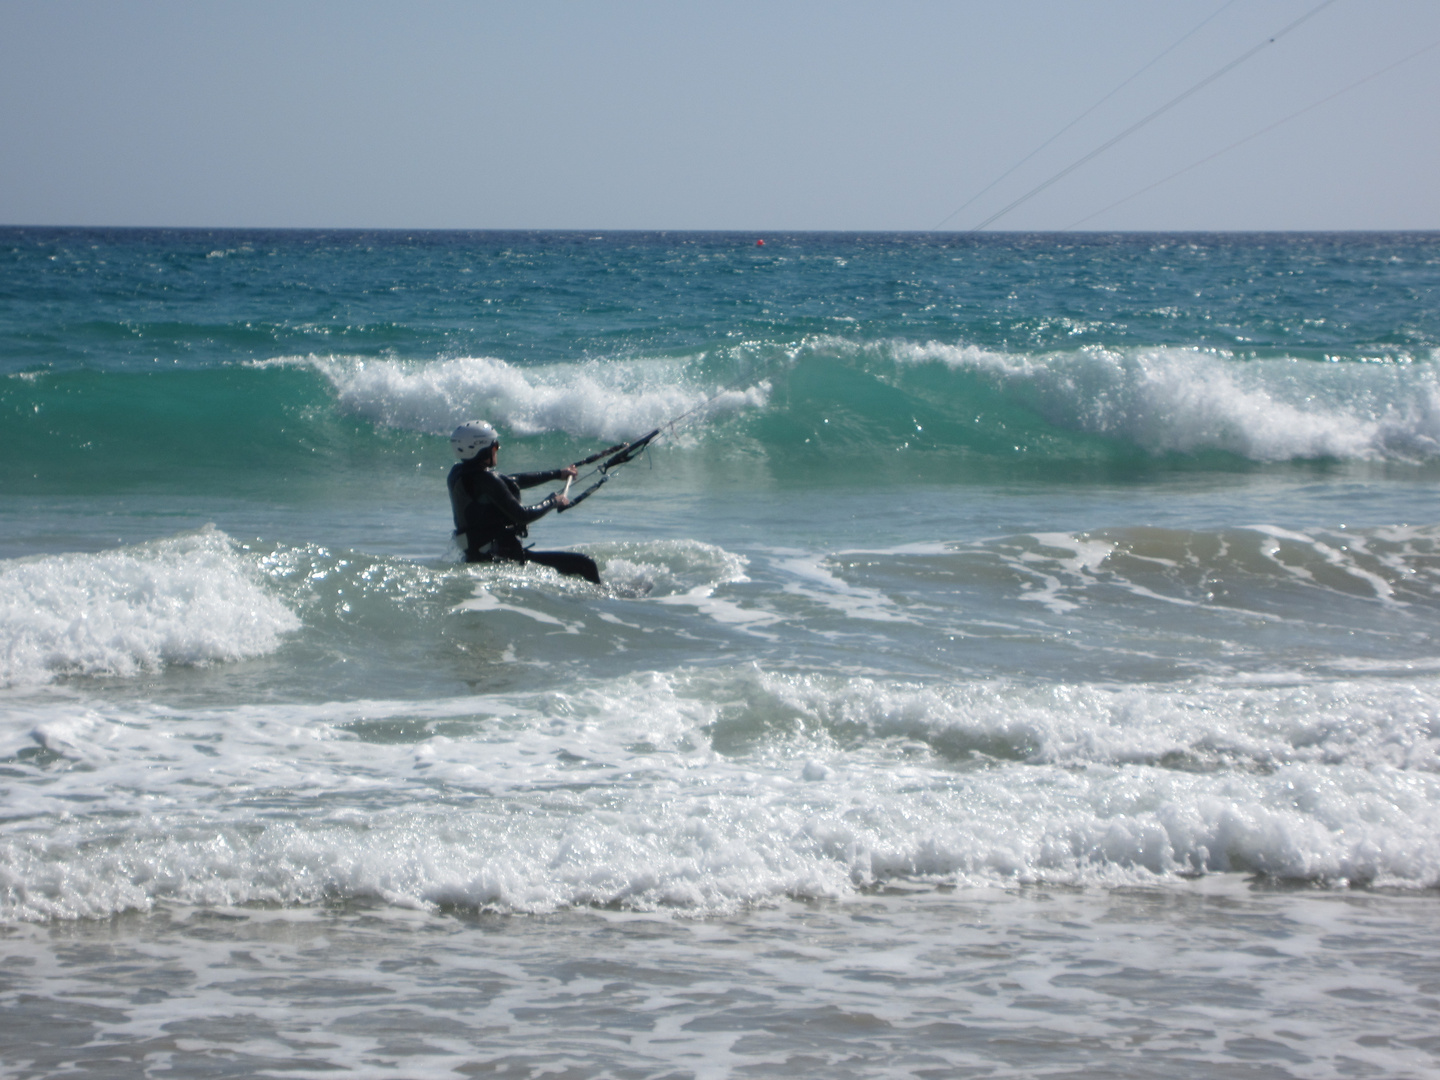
762, 116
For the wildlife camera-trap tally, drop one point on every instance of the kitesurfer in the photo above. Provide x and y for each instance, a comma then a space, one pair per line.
489, 518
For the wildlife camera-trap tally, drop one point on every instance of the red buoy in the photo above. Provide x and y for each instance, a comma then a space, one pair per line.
759, 243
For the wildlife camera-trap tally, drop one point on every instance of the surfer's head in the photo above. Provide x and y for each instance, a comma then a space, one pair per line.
473, 438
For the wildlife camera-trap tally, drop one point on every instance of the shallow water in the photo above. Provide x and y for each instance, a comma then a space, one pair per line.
1209, 979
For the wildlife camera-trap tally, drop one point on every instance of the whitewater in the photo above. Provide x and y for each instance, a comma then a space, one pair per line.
1019, 658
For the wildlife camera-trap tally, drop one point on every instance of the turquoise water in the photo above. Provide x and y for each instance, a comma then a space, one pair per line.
1077, 591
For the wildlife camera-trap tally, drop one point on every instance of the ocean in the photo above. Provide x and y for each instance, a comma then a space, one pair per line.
1017, 656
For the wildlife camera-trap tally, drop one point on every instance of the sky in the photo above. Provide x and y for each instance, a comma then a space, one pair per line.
781, 115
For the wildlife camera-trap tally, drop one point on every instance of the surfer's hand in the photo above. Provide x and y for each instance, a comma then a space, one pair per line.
561, 500
569, 472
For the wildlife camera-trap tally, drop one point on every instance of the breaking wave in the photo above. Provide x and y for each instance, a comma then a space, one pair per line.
190, 599
1185, 400
614, 400
708, 791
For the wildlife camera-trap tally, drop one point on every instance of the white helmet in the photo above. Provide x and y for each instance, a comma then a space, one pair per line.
472, 437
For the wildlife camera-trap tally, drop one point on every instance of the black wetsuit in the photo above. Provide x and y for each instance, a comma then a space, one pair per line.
489, 516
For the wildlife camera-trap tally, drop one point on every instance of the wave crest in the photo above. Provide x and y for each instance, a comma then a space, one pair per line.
614, 400
715, 789
1187, 400
189, 599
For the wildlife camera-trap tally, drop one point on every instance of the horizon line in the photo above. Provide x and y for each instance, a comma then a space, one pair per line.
757, 233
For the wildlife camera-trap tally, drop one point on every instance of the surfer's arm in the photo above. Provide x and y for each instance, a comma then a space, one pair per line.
530, 479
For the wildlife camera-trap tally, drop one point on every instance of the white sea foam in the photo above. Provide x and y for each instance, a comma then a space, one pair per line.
712, 790
613, 400
190, 599
665, 568
812, 579
1230, 568
1172, 399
